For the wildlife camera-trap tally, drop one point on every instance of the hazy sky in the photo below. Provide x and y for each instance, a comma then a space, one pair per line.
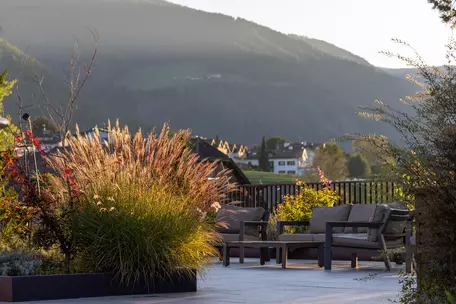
363, 27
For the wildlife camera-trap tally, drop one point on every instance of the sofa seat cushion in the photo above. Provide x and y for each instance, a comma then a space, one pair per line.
361, 241
361, 213
321, 237
298, 237
235, 237
321, 215
355, 243
229, 219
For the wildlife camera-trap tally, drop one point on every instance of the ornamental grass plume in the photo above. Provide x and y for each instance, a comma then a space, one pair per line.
159, 160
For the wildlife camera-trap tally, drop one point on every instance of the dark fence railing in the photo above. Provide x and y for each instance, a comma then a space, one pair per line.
350, 192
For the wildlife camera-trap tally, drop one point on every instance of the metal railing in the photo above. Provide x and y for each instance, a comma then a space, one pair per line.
349, 192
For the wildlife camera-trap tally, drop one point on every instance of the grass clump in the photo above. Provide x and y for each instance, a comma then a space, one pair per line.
142, 202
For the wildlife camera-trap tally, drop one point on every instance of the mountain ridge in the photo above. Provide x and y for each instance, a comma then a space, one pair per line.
209, 72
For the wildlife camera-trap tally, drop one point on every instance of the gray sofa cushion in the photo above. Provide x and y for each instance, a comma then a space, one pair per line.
379, 214
298, 237
321, 215
229, 219
321, 237
393, 229
361, 241
307, 237
236, 237
361, 213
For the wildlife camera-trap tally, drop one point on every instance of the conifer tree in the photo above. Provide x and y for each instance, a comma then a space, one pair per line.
264, 159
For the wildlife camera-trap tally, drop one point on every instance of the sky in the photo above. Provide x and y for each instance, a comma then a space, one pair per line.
363, 27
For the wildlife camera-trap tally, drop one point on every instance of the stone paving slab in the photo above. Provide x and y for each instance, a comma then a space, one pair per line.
303, 282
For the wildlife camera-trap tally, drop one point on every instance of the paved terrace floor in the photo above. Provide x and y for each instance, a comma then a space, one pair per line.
303, 282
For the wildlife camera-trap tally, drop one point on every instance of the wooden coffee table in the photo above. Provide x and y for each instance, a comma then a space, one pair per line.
281, 250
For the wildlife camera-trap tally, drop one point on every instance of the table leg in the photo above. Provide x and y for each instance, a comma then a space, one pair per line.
328, 247
354, 260
226, 256
321, 255
408, 248
241, 253
284, 256
262, 255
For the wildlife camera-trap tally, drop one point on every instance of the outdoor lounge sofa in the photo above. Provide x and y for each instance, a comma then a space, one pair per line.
360, 227
242, 224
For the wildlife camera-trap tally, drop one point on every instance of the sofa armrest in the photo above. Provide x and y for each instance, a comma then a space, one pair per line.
282, 224
262, 224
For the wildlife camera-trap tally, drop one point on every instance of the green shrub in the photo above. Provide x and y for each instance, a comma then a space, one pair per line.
299, 207
22, 263
18, 263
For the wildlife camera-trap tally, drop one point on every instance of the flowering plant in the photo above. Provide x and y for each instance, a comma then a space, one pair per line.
50, 206
299, 207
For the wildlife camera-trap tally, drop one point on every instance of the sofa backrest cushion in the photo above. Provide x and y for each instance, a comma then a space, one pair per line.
321, 215
229, 219
361, 213
395, 228
379, 215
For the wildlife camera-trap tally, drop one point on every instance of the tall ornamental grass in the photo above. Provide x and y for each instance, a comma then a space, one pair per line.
144, 202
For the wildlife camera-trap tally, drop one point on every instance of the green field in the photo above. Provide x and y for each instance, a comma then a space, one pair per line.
257, 177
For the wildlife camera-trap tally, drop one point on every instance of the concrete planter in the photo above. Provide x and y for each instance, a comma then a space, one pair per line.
69, 286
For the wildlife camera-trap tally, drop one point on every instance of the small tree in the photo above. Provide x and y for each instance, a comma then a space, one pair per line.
358, 167
13, 217
54, 213
78, 75
6, 135
41, 121
264, 157
447, 9
5, 86
331, 159
272, 142
425, 166
372, 150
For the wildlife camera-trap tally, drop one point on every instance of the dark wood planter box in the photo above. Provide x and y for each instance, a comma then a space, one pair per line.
70, 286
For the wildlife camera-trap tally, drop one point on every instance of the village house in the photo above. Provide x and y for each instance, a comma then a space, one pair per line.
286, 158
